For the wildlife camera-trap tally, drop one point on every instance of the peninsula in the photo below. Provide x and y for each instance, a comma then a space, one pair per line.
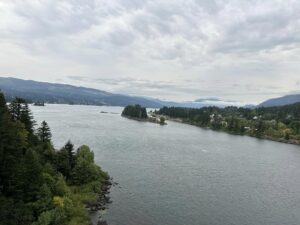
280, 123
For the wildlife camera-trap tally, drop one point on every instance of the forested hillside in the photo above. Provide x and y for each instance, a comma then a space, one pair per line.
284, 100
35, 91
38, 184
280, 123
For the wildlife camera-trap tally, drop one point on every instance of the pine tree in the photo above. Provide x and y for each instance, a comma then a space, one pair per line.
62, 163
3, 107
144, 112
44, 132
69, 147
20, 111
260, 128
12, 142
15, 108
26, 118
65, 160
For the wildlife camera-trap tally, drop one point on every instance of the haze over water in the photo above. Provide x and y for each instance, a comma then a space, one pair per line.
180, 174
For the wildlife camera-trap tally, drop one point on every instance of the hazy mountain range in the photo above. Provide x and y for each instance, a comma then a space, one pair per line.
66, 94
34, 91
284, 100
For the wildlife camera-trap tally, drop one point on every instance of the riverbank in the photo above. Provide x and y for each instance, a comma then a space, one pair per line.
156, 120
281, 140
99, 204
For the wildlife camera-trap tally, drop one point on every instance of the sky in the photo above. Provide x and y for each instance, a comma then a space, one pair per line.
237, 50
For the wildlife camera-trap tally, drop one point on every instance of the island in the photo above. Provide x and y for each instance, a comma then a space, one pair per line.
139, 113
41, 185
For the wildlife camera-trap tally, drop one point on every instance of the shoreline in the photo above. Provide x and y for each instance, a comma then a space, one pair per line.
103, 199
284, 141
149, 119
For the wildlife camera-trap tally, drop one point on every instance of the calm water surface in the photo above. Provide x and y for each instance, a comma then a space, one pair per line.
180, 174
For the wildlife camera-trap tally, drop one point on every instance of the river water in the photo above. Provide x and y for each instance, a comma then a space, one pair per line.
180, 174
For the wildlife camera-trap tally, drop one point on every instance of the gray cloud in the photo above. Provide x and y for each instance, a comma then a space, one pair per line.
175, 49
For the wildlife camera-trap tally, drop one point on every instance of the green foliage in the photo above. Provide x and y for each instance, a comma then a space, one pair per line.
277, 123
15, 108
69, 148
61, 188
85, 154
55, 216
85, 170
135, 111
19, 111
2, 104
63, 163
35, 178
162, 120
44, 132
14, 212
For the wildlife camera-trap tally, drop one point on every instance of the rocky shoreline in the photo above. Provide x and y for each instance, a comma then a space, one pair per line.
103, 199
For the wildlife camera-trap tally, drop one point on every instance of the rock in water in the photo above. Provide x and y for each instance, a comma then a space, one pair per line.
103, 222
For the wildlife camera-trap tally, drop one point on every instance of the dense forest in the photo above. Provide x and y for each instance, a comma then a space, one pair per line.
135, 111
38, 184
280, 123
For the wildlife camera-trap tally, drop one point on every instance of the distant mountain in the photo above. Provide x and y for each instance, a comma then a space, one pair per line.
250, 106
284, 100
208, 99
35, 91
67, 94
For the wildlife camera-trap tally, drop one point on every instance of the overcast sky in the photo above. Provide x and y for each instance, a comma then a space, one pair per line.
240, 50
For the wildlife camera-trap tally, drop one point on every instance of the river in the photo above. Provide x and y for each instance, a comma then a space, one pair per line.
180, 174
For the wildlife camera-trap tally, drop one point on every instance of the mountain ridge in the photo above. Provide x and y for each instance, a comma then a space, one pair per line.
280, 101
67, 94
36, 91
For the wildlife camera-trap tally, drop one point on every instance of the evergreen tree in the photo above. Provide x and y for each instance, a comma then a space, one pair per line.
44, 132
20, 111
29, 180
15, 108
63, 164
144, 112
260, 128
69, 147
26, 118
65, 160
13, 143
3, 107
136, 111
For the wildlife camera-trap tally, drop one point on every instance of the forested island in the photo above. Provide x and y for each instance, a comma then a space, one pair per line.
139, 113
280, 123
38, 184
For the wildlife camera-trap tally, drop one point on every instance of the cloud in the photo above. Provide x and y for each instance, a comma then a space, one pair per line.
154, 47
263, 26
